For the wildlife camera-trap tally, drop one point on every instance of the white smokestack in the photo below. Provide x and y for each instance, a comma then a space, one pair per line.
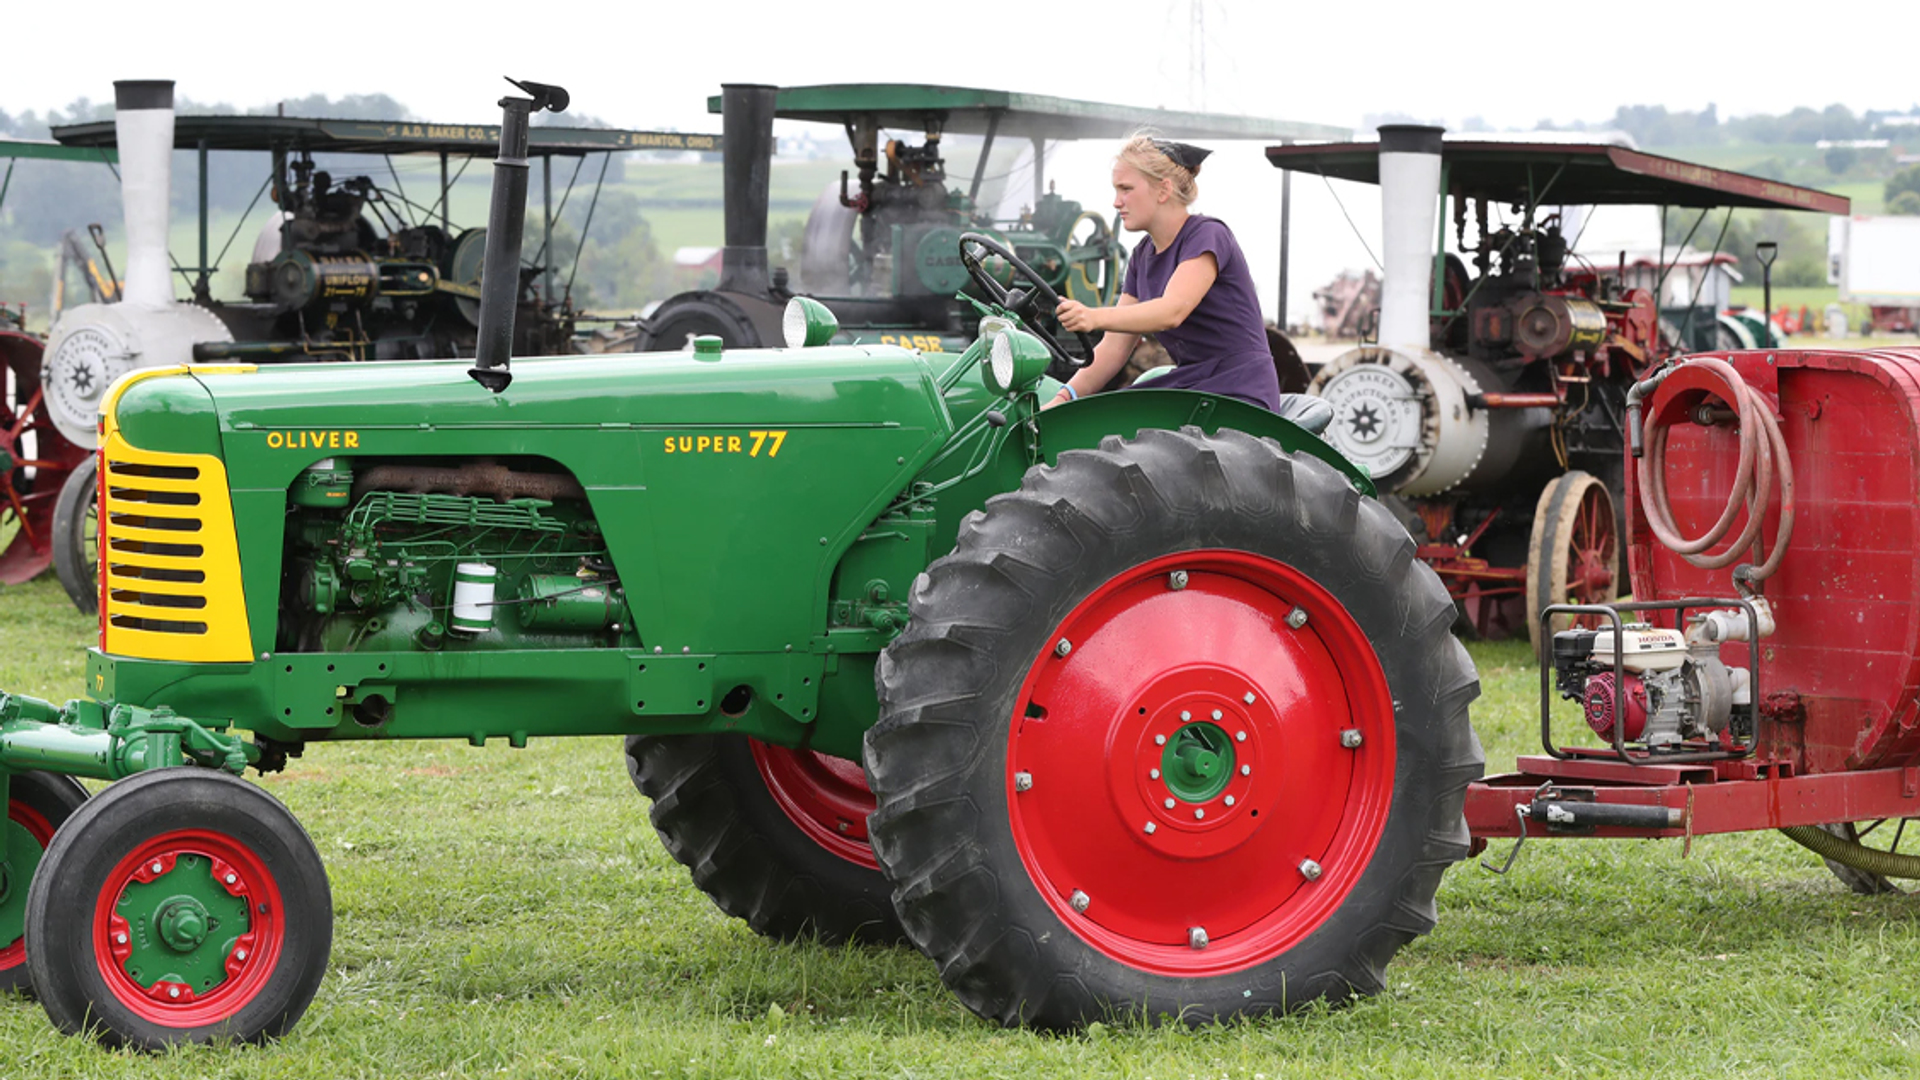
143, 125
1409, 214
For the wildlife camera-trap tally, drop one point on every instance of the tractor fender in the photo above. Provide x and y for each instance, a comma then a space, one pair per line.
1082, 424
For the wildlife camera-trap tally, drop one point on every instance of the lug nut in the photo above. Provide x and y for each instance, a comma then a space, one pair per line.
1159, 740
121, 938
1199, 813
1217, 714
1297, 618
1246, 770
1022, 781
173, 991
231, 879
157, 868
1079, 900
1153, 774
239, 954
1249, 699
1177, 579
1197, 937
1063, 647
1152, 828
1168, 804
1239, 736
1309, 869
1229, 800
1350, 738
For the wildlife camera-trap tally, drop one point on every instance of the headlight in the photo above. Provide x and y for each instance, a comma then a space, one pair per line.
1014, 360
807, 323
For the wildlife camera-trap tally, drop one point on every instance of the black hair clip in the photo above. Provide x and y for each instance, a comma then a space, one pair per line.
1184, 155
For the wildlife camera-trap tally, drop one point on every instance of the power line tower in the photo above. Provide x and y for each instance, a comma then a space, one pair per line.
1197, 54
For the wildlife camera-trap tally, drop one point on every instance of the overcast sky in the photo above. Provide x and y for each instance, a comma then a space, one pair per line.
651, 64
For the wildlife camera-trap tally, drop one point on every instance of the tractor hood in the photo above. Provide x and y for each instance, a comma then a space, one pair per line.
297, 405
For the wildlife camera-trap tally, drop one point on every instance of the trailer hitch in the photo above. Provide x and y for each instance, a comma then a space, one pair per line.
1577, 810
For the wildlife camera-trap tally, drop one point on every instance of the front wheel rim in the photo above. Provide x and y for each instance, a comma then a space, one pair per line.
188, 929
27, 834
1183, 874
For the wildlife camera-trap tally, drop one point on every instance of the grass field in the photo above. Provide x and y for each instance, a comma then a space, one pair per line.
510, 913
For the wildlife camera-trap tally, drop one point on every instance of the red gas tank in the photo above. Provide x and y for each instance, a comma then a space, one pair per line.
1838, 678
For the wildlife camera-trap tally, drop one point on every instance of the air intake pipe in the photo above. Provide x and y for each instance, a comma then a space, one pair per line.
1409, 214
746, 164
143, 127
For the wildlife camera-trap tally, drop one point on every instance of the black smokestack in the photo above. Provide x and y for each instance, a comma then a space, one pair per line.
747, 162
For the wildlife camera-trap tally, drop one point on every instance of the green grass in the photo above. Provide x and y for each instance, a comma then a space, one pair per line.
510, 913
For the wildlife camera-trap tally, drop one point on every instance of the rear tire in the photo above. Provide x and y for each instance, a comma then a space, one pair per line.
1021, 817
38, 803
775, 837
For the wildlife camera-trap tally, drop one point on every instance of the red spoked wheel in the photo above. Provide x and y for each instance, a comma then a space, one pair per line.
1178, 729
37, 804
35, 460
1236, 746
776, 836
1573, 556
825, 797
179, 906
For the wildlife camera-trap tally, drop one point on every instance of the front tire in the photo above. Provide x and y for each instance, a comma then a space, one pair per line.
1177, 728
38, 803
179, 906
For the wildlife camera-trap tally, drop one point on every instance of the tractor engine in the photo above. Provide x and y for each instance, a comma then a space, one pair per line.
392, 556
1671, 688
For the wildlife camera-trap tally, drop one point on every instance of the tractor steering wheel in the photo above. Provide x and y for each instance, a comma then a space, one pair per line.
1017, 300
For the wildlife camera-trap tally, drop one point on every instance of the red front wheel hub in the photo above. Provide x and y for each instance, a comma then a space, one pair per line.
1200, 762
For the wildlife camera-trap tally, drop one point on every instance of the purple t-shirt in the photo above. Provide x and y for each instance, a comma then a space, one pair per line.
1221, 348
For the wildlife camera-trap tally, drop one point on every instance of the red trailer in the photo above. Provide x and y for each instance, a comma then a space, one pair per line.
1765, 677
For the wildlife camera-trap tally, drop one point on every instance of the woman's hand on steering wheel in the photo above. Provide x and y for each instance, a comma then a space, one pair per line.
1021, 302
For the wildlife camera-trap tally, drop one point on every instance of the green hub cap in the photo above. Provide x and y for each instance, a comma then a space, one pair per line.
1198, 762
181, 924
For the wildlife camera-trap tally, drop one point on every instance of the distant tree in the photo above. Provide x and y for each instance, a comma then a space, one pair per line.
1904, 182
1907, 202
1841, 158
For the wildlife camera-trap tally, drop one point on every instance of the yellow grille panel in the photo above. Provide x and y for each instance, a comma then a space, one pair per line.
169, 556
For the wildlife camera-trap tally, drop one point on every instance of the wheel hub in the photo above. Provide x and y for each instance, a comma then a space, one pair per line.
182, 923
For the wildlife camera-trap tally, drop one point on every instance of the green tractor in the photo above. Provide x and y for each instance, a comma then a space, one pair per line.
1137, 706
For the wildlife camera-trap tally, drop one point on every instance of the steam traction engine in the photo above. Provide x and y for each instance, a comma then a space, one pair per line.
1492, 406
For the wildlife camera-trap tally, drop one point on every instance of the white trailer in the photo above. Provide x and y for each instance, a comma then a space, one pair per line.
1876, 261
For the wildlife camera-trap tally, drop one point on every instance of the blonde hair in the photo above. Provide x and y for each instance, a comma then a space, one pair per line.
1154, 164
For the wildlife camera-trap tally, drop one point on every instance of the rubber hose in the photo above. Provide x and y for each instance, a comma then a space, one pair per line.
1762, 452
1859, 856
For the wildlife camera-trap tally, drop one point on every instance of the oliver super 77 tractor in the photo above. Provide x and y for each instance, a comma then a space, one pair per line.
1141, 705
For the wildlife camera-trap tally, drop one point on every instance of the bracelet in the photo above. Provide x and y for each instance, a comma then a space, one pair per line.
1067, 389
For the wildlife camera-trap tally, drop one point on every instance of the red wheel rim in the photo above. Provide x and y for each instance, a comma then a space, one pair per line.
1272, 854
28, 509
1592, 549
38, 827
248, 957
825, 797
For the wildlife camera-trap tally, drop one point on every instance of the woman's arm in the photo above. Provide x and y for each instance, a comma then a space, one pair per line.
1108, 358
1188, 286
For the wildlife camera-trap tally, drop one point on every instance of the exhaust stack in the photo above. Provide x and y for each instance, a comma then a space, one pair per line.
1409, 214
746, 165
506, 221
143, 127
